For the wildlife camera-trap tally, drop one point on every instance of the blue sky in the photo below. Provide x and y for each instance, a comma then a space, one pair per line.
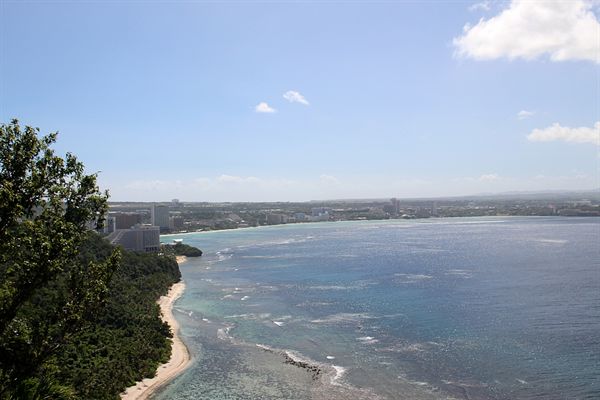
403, 99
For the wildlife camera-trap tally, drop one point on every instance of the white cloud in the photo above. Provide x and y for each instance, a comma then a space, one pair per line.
557, 132
488, 177
563, 30
329, 180
483, 6
263, 107
524, 114
295, 97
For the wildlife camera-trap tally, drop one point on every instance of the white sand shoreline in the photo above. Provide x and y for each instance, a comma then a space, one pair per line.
180, 356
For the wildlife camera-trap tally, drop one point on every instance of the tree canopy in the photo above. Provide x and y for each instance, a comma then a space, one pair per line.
78, 318
47, 203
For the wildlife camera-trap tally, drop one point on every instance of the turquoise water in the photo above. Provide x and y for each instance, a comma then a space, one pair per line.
474, 308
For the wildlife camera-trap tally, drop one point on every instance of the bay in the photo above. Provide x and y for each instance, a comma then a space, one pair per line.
465, 308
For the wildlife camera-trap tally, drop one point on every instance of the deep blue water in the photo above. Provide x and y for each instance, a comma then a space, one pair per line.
477, 308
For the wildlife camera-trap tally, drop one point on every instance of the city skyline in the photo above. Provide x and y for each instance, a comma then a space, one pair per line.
263, 101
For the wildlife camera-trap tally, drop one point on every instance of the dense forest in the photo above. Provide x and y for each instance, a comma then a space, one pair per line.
78, 317
126, 340
122, 342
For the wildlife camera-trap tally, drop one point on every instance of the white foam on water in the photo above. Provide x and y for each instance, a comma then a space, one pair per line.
223, 333
314, 304
463, 273
264, 347
250, 316
245, 298
333, 373
342, 318
367, 339
278, 323
412, 278
552, 241
239, 316
415, 276
339, 373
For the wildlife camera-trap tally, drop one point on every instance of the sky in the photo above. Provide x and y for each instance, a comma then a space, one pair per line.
295, 101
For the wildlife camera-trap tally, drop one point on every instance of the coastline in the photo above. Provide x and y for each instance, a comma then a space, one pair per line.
180, 356
390, 220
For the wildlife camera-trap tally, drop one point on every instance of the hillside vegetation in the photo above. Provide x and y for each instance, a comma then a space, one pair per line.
78, 317
127, 340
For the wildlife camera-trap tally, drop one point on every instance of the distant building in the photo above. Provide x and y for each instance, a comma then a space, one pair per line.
318, 211
109, 225
176, 222
319, 218
300, 217
234, 217
395, 205
276, 219
160, 216
141, 238
125, 220
583, 202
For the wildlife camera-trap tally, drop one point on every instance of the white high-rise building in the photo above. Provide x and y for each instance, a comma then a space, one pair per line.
142, 238
160, 216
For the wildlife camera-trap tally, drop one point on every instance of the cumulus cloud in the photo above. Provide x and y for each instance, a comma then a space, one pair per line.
481, 6
557, 132
562, 30
295, 97
329, 180
524, 114
263, 107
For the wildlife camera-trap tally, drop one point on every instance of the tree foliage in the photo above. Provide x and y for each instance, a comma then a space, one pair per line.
181, 249
126, 341
46, 293
78, 318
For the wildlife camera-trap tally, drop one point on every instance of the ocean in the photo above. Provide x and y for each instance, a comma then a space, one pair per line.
458, 308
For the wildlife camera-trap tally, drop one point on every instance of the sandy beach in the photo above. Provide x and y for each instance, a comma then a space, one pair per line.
180, 357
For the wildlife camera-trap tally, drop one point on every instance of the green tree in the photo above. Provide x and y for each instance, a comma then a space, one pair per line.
47, 204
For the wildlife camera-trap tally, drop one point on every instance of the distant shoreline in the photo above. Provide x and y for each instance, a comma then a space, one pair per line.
219, 230
180, 356
167, 235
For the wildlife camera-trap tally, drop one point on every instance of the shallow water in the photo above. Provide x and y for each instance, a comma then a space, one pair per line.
475, 308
